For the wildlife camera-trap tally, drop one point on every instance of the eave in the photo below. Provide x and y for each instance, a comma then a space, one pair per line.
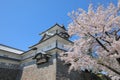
10, 49
49, 38
8, 58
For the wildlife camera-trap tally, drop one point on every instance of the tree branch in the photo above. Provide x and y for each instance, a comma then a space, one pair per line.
99, 42
107, 34
106, 41
115, 71
102, 45
117, 36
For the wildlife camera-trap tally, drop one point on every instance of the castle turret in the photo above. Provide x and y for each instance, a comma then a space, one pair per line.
42, 57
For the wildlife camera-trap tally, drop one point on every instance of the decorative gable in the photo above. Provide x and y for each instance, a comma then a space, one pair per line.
46, 36
64, 35
41, 58
54, 29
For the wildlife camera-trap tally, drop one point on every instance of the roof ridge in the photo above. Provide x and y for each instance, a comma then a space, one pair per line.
62, 26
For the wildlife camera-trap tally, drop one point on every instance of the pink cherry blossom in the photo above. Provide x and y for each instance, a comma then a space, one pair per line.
97, 35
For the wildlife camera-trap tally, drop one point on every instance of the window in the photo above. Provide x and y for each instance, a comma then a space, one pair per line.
41, 58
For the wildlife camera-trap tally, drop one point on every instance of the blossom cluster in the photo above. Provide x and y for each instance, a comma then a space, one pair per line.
98, 29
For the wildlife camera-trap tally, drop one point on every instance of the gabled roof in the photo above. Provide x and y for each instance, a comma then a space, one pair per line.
53, 27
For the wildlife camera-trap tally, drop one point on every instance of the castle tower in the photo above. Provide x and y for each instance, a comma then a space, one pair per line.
40, 62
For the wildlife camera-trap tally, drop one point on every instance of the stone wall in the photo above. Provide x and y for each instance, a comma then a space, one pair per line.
44, 71
8, 74
9, 71
51, 70
62, 73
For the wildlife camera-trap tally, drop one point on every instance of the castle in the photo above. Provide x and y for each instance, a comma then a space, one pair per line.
41, 61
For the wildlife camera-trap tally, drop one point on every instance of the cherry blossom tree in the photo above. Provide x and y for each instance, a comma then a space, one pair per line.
98, 48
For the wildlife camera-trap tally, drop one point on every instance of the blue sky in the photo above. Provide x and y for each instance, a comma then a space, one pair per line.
22, 20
